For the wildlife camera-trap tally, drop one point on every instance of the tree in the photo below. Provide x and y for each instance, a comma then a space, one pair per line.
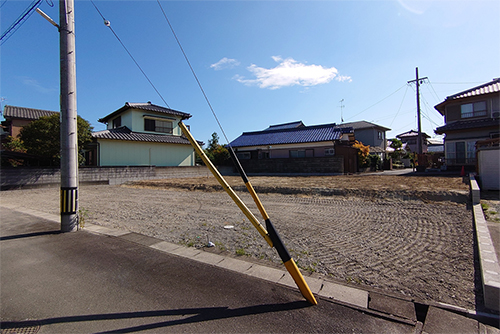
363, 152
397, 145
42, 138
14, 145
218, 154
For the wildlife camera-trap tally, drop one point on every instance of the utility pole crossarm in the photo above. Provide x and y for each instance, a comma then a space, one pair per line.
418, 81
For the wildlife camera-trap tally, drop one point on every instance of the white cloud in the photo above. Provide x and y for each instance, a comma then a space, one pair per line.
289, 72
33, 83
225, 63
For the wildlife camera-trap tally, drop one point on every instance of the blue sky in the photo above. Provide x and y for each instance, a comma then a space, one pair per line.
260, 62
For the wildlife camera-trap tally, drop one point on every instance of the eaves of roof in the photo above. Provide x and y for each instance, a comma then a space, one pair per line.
468, 124
145, 106
306, 134
364, 125
411, 134
124, 133
487, 88
25, 113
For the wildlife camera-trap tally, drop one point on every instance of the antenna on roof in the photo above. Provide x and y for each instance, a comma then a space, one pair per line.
341, 110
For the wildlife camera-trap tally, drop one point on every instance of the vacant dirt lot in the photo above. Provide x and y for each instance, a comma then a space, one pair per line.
406, 235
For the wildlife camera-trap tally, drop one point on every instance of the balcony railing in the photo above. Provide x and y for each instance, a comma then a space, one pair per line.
474, 114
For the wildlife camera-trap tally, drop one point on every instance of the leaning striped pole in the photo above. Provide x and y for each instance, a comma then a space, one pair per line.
272, 236
290, 264
226, 186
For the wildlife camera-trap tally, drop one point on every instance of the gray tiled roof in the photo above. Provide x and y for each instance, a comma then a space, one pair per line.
124, 133
145, 106
469, 124
305, 134
363, 125
25, 113
411, 133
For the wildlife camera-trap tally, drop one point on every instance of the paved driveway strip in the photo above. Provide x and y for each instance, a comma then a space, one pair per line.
420, 249
87, 283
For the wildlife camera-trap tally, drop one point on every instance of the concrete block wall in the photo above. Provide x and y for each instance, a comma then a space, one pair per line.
490, 268
318, 165
12, 178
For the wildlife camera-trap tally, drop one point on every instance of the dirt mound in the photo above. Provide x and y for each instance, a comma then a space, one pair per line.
427, 188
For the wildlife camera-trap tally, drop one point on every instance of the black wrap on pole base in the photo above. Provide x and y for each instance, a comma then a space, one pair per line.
277, 243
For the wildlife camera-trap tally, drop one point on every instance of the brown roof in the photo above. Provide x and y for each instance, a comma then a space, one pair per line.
487, 88
25, 113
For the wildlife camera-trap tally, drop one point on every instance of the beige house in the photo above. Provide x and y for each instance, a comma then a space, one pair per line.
141, 134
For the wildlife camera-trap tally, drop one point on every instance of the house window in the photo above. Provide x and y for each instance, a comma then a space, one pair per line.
473, 109
158, 126
297, 153
380, 135
243, 155
117, 122
329, 151
461, 152
263, 155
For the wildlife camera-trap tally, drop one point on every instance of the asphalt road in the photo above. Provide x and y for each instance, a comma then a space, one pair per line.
83, 282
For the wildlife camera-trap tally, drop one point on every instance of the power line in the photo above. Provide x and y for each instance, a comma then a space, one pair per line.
108, 24
385, 98
400, 106
19, 21
194, 74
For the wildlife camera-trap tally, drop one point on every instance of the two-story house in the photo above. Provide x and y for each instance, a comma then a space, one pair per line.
370, 134
17, 117
141, 134
469, 116
410, 141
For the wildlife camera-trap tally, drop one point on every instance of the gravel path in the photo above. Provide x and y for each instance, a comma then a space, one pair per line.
421, 249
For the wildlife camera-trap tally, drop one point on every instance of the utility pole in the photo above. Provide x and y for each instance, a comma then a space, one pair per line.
69, 137
418, 81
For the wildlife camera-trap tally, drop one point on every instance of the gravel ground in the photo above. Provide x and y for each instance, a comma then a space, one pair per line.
419, 248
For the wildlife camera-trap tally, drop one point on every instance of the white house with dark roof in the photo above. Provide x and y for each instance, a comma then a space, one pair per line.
141, 134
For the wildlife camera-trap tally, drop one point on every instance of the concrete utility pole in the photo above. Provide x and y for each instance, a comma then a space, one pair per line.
69, 137
418, 81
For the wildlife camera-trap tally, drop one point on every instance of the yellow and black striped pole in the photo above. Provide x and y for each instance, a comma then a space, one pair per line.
290, 264
271, 236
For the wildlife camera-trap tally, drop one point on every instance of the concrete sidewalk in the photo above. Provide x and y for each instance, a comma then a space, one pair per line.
104, 280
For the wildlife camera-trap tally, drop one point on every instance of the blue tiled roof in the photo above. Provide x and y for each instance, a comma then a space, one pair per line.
305, 134
284, 126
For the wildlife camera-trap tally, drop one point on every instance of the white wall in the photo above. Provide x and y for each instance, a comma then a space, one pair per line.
489, 170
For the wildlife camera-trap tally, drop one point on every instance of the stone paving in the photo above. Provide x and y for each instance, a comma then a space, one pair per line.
420, 249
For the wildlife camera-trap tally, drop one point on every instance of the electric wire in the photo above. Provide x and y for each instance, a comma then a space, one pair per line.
194, 74
19, 21
437, 96
385, 98
400, 105
108, 24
